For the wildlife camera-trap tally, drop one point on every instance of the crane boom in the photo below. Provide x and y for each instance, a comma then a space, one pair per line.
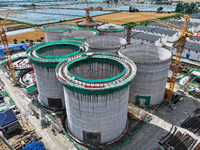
5, 43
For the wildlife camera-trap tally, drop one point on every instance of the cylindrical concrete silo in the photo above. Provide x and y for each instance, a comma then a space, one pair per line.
92, 23
152, 63
45, 57
112, 29
52, 32
107, 44
79, 35
96, 88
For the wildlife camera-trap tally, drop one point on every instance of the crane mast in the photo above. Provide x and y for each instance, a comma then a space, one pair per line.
180, 47
5, 43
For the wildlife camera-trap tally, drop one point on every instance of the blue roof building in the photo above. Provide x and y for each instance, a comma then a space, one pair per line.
8, 121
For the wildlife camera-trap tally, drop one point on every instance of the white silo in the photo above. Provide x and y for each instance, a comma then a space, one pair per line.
106, 44
152, 63
45, 57
79, 35
52, 32
112, 30
96, 88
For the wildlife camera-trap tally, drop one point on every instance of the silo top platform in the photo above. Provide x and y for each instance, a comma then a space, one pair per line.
89, 73
106, 42
48, 54
146, 53
59, 27
81, 33
111, 28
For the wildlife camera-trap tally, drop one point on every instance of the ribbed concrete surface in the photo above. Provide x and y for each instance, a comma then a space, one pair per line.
152, 70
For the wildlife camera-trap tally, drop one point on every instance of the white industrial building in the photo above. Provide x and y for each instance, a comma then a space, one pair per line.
144, 38
169, 34
191, 51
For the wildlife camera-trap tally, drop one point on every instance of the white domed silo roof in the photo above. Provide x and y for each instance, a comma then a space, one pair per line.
92, 23
106, 44
112, 29
79, 35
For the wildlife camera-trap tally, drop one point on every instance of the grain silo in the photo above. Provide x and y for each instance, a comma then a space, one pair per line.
96, 88
92, 23
52, 32
79, 35
112, 29
106, 44
45, 57
152, 63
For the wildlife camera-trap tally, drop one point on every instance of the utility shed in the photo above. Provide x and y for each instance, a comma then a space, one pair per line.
8, 122
144, 38
191, 51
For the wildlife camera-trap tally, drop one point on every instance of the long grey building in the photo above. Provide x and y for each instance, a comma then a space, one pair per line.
169, 34
144, 38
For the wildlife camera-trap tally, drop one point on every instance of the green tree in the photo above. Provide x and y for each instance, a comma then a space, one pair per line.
160, 9
27, 40
38, 40
22, 42
31, 41
41, 38
130, 8
15, 41
179, 8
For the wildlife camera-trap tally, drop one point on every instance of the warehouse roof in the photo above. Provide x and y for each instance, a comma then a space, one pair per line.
7, 117
190, 46
144, 28
144, 36
195, 38
157, 25
164, 31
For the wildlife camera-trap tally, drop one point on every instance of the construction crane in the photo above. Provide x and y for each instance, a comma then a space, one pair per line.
180, 47
5, 43
88, 18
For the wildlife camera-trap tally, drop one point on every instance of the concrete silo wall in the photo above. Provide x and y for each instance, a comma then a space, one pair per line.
152, 63
96, 89
49, 88
102, 115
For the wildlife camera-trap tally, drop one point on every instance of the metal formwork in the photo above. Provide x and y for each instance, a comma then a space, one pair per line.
112, 30
107, 44
45, 57
52, 32
152, 63
92, 24
79, 35
96, 88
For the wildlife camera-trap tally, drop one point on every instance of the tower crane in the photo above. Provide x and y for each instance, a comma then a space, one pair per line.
180, 47
88, 18
5, 43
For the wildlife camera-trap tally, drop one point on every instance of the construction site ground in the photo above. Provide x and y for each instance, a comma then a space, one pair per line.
145, 138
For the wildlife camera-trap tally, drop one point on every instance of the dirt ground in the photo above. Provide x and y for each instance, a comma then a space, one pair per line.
34, 35
117, 18
125, 17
